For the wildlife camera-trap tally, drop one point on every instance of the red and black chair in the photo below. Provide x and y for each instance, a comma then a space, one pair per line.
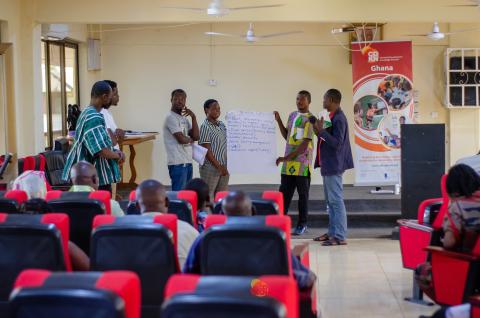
475, 302
11, 201
31, 241
219, 296
144, 245
182, 203
42, 294
252, 246
37, 163
81, 207
455, 275
5, 160
265, 203
416, 235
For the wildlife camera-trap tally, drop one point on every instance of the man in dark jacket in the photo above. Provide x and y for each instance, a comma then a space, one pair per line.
334, 157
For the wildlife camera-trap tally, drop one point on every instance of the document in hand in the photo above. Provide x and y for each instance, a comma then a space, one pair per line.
199, 154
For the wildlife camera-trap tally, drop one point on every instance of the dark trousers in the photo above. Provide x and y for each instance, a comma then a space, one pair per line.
106, 187
302, 185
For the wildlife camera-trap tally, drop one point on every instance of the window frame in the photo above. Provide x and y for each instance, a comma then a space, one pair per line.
62, 44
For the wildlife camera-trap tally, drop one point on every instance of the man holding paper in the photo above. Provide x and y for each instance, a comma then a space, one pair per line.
179, 135
296, 169
213, 136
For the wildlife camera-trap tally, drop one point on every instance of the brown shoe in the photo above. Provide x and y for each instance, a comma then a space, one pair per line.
322, 238
334, 242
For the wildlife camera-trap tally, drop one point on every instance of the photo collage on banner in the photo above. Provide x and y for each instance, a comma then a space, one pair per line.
383, 101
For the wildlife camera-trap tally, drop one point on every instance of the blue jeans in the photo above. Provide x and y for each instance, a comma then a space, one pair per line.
180, 175
333, 188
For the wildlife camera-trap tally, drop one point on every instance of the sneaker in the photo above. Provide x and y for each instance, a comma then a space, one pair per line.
299, 230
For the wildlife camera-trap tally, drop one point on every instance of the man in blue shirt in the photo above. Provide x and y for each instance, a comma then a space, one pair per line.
239, 204
335, 156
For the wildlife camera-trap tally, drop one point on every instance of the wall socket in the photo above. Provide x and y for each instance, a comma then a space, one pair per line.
212, 82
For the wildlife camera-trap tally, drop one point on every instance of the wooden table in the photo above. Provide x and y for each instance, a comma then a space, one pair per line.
131, 141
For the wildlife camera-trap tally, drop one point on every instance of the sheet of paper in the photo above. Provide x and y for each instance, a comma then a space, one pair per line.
251, 142
199, 154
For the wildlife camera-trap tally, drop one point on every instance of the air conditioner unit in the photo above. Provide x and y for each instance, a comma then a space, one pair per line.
56, 31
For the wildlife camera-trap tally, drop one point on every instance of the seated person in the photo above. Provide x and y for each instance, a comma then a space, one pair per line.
239, 204
85, 179
461, 225
152, 199
33, 183
203, 200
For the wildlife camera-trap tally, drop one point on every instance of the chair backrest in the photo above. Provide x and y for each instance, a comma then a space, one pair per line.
55, 162
265, 203
141, 244
4, 161
428, 210
31, 241
437, 224
240, 246
37, 163
11, 201
184, 205
81, 207
43, 294
222, 296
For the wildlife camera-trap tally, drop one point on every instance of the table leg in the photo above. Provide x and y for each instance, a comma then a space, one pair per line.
132, 166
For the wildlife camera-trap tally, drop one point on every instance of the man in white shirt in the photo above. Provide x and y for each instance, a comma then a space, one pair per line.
116, 133
152, 199
178, 136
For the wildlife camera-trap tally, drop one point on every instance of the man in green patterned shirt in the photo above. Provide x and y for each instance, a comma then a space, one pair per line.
92, 142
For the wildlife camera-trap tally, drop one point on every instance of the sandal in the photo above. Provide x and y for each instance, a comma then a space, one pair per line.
322, 238
334, 242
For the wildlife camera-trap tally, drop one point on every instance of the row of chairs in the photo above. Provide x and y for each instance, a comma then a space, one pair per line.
455, 275
116, 294
147, 246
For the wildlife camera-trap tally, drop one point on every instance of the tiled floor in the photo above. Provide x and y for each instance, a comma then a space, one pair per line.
363, 279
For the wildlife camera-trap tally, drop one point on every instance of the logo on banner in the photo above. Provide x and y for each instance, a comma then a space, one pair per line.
373, 56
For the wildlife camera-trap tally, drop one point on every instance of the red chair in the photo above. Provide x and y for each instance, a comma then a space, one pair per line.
42, 294
81, 207
475, 302
31, 241
144, 245
5, 160
265, 203
416, 235
264, 296
11, 201
455, 275
253, 246
36, 163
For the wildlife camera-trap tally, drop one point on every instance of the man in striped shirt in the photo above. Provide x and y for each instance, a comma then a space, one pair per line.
213, 136
92, 143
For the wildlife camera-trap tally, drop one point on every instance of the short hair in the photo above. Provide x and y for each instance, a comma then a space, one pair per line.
36, 206
202, 190
334, 95
462, 181
112, 84
178, 91
209, 103
306, 94
100, 88
404, 118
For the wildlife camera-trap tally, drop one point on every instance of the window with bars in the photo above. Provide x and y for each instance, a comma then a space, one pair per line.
60, 86
462, 78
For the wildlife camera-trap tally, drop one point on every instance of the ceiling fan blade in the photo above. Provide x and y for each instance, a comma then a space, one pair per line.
416, 34
257, 7
463, 5
461, 31
279, 34
184, 8
223, 34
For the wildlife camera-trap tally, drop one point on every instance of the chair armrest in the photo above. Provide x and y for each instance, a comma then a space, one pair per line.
452, 254
414, 225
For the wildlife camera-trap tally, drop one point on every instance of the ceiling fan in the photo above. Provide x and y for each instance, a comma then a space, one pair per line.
250, 35
436, 34
473, 3
218, 9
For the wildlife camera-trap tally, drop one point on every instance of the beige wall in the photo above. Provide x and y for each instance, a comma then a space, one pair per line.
266, 76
